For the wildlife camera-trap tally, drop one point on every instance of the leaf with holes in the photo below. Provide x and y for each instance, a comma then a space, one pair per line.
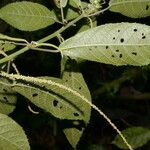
117, 44
8, 97
12, 135
27, 16
131, 8
54, 96
75, 80
137, 137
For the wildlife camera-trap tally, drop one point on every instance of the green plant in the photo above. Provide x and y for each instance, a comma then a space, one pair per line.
68, 97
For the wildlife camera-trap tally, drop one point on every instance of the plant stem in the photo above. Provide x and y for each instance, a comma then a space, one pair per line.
61, 29
7, 58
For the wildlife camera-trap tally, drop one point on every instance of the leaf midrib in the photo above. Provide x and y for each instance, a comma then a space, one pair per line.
106, 44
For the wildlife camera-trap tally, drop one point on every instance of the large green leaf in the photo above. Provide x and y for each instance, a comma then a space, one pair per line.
137, 137
12, 136
131, 8
74, 79
27, 16
52, 95
8, 97
117, 44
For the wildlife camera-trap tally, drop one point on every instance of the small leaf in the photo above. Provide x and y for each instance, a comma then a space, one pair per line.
117, 44
27, 16
6, 46
86, 24
75, 80
12, 136
8, 97
73, 135
131, 8
71, 13
72, 10
136, 136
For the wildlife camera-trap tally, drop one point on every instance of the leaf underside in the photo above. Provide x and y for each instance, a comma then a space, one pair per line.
27, 16
75, 80
12, 135
116, 44
131, 8
59, 102
8, 98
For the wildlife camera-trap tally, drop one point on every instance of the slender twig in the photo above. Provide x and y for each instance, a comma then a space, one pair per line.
45, 50
8, 68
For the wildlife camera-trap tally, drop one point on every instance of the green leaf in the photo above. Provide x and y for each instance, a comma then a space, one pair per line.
76, 3
58, 101
136, 136
117, 44
27, 16
72, 10
131, 8
12, 136
85, 24
73, 135
75, 80
8, 97
6, 46
71, 14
